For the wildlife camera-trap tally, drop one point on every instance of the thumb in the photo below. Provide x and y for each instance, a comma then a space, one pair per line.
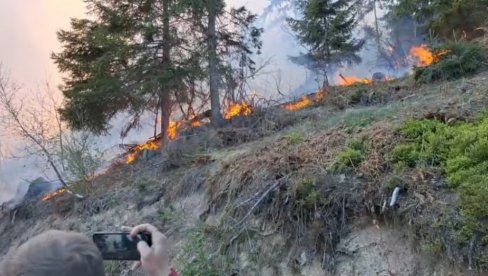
143, 249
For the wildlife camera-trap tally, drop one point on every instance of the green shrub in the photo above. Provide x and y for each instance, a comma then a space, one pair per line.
357, 144
348, 159
427, 140
307, 194
294, 138
462, 152
463, 58
406, 155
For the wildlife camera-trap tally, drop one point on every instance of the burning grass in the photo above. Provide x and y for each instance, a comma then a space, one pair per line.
136, 151
238, 109
352, 80
305, 101
54, 195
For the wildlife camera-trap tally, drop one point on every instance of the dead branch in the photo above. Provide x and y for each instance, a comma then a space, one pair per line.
273, 187
35, 131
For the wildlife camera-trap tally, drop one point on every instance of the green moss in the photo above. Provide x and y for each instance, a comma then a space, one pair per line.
462, 152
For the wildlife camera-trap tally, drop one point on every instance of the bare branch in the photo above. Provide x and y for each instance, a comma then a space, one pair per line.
28, 124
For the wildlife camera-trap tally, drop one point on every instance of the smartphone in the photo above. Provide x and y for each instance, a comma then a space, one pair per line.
120, 246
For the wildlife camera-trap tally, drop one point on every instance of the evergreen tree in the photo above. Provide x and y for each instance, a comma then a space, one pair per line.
131, 57
445, 18
137, 55
325, 30
226, 34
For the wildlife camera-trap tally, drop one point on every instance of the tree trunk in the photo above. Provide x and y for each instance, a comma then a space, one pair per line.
217, 119
164, 92
377, 26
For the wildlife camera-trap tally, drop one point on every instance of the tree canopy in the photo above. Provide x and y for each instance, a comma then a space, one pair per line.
137, 55
325, 29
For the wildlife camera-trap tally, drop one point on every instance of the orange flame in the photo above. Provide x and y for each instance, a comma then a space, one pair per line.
305, 101
151, 145
302, 103
173, 129
425, 56
235, 109
195, 123
319, 96
53, 195
352, 80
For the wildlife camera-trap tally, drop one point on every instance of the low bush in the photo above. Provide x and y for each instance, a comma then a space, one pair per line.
351, 156
462, 152
462, 59
294, 138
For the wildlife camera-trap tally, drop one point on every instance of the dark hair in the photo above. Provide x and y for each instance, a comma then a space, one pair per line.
55, 253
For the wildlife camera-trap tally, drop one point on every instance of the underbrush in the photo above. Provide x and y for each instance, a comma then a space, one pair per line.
461, 151
461, 59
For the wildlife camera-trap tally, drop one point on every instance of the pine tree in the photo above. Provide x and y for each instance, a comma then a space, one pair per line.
227, 33
130, 58
326, 31
451, 20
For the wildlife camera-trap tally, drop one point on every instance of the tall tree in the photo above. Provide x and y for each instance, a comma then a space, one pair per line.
131, 57
214, 7
227, 33
326, 31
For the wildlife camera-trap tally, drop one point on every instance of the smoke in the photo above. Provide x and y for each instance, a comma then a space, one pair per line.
27, 54
385, 51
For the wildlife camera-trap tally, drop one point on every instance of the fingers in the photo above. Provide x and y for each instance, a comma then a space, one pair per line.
144, 228
135, 265
143, 249
157, 237
126, 228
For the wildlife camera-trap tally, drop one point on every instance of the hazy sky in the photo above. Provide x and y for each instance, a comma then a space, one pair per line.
28, 34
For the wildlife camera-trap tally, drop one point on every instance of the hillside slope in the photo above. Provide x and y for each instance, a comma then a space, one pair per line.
301, 193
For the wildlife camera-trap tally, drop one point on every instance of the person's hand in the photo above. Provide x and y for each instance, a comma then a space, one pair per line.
155, 258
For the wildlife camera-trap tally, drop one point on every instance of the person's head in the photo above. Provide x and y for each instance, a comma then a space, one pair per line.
55, 253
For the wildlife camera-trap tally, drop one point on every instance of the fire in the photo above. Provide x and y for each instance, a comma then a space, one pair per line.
235, 109
195, 123
320, 96
151, 145
53, 195
352, 80
302, 103
172, 133
426, 57
305, 101
173, 129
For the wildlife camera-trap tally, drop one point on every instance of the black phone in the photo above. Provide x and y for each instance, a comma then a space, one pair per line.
120, 246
